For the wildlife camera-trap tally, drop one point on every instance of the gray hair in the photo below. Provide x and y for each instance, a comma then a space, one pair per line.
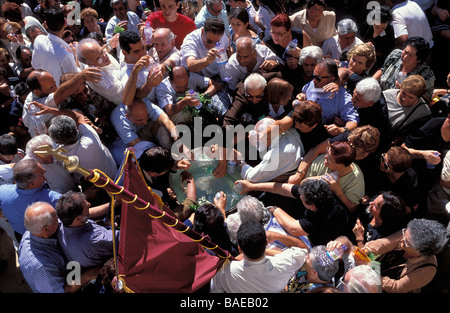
170, 35
369, 88
311, 52
347, 26
36, 142
255, 81
325, 267
233, 222
250, 208
210, 3
363, 279
63, 130
427, 236
81, 44
35, 223
24, 172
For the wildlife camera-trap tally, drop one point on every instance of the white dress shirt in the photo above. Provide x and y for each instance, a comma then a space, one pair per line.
53, 55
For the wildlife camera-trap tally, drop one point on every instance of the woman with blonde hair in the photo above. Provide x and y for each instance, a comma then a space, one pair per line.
361, 58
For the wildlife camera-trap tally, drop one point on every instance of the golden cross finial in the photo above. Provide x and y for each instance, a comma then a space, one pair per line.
71, 163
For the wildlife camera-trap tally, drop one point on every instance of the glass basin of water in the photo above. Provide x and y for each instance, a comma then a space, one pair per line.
206, 184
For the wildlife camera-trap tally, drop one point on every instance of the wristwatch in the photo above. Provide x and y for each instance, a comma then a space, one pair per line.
241, 163
345, 129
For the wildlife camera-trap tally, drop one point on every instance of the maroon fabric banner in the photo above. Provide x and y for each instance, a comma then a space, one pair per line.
153, 257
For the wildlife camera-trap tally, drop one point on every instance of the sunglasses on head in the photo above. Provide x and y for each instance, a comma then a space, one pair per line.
319, 78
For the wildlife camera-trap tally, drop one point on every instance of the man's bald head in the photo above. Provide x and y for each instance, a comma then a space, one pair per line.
179, 78
163, 41
137, 112
91, 53
41, 219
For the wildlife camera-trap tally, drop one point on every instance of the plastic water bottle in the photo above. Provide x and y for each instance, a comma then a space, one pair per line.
400, 77
231, 168
148, 33
222, 61
195, 95
37, 124
431, 166
153, 66
291, 46
238, 187
295, 103
337, 253
217, 196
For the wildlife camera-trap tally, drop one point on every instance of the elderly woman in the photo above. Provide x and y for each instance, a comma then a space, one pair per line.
405, 62
279, 97
339, 44
315, 21
406, 108
309, 57
416, 265
361, 58
89, 17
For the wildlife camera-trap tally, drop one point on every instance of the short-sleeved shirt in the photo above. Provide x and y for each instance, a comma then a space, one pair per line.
340, 105
193, 46
332, 47
182, 26
126, 130
204, 14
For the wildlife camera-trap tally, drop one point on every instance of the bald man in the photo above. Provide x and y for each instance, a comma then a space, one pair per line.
250, 58
42, 262
165, 50
91, 54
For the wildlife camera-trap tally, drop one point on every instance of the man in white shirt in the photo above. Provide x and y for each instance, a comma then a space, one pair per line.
256, 272
409, 20
51, 53
282, 156
249, 58
198, 51
346, 39
164, 49
91, 54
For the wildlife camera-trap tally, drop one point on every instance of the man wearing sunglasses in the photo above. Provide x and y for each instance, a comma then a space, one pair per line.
338, 112
199, 52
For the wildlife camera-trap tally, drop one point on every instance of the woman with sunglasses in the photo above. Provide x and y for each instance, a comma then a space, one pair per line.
415, 264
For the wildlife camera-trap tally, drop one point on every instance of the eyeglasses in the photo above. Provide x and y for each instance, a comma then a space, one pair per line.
383, 159
278, 34
319, 78
210, 42
404, 238
254, 97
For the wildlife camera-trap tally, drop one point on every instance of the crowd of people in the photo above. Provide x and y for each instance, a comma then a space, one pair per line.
345, 172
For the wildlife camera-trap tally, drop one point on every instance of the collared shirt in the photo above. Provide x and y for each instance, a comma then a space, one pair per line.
125, 72
53, 55
110, 86
28, 119
14, 202
282, 157
167, 95
270, 274
193, 46
90, 244
204, 14
126, 130
132, 24
339, 105
174, 55
238, 72
332, 47
91, 152
42, 263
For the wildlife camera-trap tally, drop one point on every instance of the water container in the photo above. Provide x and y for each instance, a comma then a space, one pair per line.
231, 168
222, 61
291, 46
37, 124
431, 166
337, 253
153, 66
148, 33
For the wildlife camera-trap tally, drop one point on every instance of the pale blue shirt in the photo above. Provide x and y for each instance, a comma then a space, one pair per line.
204, 14
339, 105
